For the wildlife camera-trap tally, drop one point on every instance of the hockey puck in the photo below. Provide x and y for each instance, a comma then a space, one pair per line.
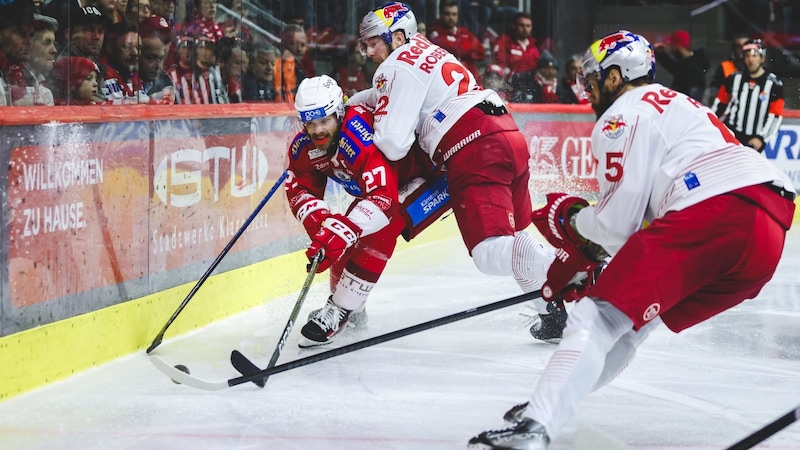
183, 369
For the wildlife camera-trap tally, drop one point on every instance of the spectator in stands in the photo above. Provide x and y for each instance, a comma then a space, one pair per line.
120, 63
16, 30
516, 50
289, 70
571, 88
120, 10
182, 67
352, 76
85, 37
43, 55
459, 41
165, 9
258, 83
727, 67
539, 86
74, 81
138, 11
203, 83
687, 66
751, 101
106, 7
494, 78
204, 23
232, 24
232, 62
156, 87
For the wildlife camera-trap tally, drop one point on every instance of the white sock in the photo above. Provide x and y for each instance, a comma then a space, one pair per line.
351, 292
593, 327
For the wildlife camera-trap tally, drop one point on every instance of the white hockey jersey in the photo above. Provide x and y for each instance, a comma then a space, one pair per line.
420, 90
659, 151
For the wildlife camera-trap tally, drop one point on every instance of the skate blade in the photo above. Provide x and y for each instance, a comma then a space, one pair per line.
308, 343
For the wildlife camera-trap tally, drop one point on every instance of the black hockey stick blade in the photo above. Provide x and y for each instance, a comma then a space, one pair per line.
244, 365
160, 336
767, 431
263, 374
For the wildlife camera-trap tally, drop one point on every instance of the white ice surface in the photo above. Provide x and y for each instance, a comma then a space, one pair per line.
705, 388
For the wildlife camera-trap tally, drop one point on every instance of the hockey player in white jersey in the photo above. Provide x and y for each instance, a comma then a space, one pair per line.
421, 90
718, 213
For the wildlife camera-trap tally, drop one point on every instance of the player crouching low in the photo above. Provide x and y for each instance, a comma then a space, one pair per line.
336, 143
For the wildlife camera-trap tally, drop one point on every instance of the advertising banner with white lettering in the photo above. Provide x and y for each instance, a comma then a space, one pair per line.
561, 153
78, 200
208, 178
783, 149
104, 213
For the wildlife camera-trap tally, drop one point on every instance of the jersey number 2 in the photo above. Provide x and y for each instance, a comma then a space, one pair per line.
447, 73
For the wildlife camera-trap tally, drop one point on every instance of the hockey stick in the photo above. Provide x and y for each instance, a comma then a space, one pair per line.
160, 336
767, 431
263, 374
243, 364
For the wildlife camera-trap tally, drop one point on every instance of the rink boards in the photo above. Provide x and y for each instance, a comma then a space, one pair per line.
112, 217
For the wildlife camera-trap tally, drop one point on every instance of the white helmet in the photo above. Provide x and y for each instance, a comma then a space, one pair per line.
630, 52
318, 97
386, 20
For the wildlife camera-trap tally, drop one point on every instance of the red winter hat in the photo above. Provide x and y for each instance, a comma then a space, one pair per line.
680, 37
155, 25
70, 72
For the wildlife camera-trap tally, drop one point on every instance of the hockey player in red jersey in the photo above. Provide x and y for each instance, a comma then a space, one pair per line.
718, 213
420, 89
336, 143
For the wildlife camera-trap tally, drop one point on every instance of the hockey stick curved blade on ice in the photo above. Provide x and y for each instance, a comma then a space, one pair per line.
157, 341
244, 365
767, 431
183, 377
263, 374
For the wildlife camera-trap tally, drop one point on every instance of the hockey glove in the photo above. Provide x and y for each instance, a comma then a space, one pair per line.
337, 234
311, 211
572, 255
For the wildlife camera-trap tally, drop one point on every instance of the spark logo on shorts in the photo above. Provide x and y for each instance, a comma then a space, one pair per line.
614, 127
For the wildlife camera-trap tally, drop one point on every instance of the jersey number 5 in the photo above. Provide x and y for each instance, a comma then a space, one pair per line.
613, 166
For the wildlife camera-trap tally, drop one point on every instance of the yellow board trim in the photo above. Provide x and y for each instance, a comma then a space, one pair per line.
39, 356
42, 355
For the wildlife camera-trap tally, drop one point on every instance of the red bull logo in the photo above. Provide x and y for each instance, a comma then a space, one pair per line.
394, 11
380, 83
614, 127
610, 43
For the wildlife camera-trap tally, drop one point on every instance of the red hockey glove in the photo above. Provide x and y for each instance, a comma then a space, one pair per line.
553, 221
311, 211
337, 234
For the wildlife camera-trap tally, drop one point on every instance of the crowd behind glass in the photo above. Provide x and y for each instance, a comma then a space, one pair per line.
118, 52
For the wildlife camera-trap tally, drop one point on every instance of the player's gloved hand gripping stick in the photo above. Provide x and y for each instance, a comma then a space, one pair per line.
574, 253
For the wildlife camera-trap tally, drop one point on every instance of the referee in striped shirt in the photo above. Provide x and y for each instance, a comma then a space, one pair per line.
750, 102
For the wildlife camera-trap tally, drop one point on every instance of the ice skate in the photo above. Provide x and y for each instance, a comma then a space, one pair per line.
325, 323
550, 327
514, 416
528, 434
358, 318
